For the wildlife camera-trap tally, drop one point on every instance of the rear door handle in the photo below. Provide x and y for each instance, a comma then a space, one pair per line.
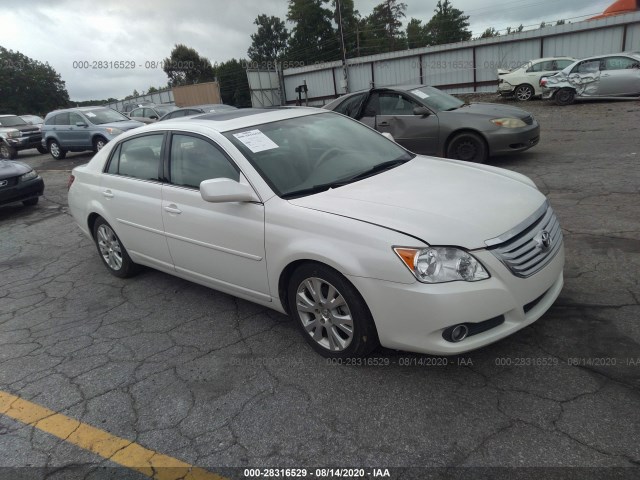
172, 209
383, 124
107, 194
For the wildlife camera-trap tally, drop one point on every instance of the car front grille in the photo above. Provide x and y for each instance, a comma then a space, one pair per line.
8, 182
526, 249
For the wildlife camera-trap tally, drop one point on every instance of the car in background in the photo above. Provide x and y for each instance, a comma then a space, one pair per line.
33, 120
150, 114
313, 214
523, 82
196, 109
427, 121
602, 76
127, 107
82, 128
19, 183
16, 135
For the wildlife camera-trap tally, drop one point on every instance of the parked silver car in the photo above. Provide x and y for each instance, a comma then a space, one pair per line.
602, 76
428, 121
150, 113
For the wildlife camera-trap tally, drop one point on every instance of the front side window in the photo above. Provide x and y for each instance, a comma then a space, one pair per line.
351, 106
138, 157
75, 118
588, 66
395, 104
620, 63
136, 113
194, 160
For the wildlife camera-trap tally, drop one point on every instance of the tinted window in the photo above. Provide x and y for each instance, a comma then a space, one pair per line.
194, 160
620, 63
351, 105
62, 119
138, 157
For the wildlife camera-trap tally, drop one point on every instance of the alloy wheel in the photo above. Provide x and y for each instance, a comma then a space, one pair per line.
109, 247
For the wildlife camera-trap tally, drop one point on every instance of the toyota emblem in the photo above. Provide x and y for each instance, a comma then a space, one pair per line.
543, 239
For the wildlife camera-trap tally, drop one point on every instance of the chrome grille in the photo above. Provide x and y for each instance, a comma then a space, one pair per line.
531, 246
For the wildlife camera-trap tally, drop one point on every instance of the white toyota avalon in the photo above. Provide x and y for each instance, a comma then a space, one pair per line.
316, 215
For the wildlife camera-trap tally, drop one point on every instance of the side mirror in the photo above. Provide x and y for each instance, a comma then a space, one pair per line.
422, 111
222, 190
81, 124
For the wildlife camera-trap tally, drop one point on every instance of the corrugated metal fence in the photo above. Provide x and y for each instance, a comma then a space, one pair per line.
462, 67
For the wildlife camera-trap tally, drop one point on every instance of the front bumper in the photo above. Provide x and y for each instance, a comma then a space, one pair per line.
511, 140
23, 143
413, 317
16, 191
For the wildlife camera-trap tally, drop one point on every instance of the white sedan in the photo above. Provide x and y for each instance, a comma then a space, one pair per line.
316, 215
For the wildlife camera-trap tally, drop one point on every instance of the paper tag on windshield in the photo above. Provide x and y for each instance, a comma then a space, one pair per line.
255, 140
90, 114
420, 94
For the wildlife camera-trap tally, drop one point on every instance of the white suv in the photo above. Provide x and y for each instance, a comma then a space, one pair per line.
523, 82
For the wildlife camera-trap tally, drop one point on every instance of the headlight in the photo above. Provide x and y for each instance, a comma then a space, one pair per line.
441, 264
28, 176
509, 122
14, 134
114, 131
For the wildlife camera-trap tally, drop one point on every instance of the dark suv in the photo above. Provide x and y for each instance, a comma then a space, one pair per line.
16, 135
82, 128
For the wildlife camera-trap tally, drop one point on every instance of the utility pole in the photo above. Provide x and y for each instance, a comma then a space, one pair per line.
344, 50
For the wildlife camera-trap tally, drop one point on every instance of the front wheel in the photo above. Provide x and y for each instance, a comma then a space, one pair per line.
564, 96
112, 252
98, 143
7, 152
332, 316
56, 150
467, 146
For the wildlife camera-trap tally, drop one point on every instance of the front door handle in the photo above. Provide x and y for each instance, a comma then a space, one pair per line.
107, 194
383, 124
172, 209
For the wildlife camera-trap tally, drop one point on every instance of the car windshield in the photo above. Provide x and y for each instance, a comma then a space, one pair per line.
99, 116
305, 155
12, 121
165, 109
31, 119
436, 99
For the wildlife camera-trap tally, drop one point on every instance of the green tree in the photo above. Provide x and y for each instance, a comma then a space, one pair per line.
384, 27
185, 66
269, 43
489, 33
234, 85
448, 25
560, 22
417, 35
313, 38
543, 24
515, 30
152, 90
28, 85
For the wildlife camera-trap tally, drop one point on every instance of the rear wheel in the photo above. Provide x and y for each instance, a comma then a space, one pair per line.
56, 150
467, 146
332, 316
524, 92
564, 96
7, 152
41, 149
112, 252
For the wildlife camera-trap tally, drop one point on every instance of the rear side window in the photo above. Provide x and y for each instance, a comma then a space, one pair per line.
562, 64
137, 158
620, 63
194, 160
62, 119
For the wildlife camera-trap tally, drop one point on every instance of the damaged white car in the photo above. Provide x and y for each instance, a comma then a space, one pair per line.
604, 76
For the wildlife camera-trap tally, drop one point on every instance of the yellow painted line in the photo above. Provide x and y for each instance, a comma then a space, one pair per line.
118, 450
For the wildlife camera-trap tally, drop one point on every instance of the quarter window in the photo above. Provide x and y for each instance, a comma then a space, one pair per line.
137, 158
194, 160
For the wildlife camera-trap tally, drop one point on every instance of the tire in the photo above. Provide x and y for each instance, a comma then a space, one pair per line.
467, 146
98, 143
564, 96
111, 251
30, 202
311, 287
524, 92
56, 150
41, 149
7, 152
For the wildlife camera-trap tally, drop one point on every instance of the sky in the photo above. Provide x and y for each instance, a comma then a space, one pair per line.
69, 33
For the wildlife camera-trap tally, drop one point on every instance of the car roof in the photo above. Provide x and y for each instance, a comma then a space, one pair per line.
606, 55
8, 115
236, 119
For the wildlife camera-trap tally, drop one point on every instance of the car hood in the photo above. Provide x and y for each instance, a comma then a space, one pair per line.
124, 126
10, 168
441, 202
489, 110
25, 129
